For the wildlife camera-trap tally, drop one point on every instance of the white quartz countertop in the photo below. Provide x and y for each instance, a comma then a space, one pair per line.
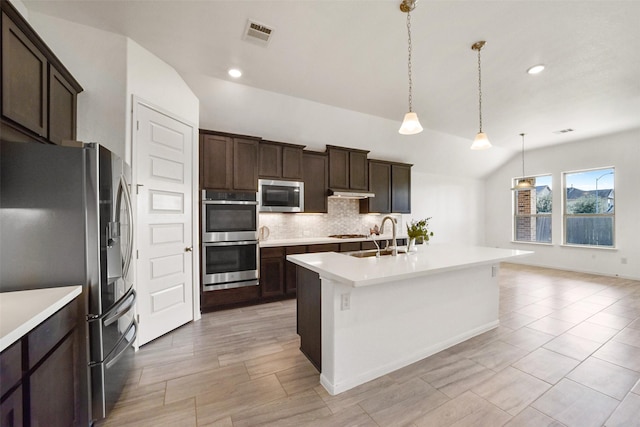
428, 259
22, 311
320, 240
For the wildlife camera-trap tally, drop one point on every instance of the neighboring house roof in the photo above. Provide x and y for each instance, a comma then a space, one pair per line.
576, 193
543, 189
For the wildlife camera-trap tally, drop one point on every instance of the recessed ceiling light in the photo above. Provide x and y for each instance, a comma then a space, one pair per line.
235, 73
536, 69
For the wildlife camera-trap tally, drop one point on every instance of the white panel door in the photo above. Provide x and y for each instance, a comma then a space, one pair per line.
164, 273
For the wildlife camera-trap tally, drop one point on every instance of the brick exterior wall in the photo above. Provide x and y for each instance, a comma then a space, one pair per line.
526, 205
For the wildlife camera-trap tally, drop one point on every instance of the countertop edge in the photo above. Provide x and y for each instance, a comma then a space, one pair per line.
36, 319
324, 272
302, 241
446, 269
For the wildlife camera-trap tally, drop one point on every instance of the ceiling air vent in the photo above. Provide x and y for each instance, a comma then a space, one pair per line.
258, 33
563, 131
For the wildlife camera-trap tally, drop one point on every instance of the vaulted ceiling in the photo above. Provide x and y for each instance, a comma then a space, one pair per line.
353, 55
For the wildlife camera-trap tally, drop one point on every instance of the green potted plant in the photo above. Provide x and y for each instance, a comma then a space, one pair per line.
418, 230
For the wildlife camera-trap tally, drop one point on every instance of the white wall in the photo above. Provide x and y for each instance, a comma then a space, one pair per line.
620, 150
455, 204
97, 59
154, 81
111, 68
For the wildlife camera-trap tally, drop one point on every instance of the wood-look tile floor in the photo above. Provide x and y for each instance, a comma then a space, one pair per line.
567, 352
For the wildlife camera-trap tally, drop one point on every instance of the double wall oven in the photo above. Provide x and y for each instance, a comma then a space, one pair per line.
229, 240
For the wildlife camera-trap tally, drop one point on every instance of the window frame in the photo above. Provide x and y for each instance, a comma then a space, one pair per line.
515, 215
566, 215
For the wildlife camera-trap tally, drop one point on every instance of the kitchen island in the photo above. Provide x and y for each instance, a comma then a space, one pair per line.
361, 318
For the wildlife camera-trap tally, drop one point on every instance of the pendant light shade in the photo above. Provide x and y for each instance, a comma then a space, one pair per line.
481, 141
523, 183
410, 124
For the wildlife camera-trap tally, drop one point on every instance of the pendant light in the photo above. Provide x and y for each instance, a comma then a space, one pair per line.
481, 141
410, 124
523, 183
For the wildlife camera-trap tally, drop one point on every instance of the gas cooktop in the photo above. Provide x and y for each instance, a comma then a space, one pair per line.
348, 236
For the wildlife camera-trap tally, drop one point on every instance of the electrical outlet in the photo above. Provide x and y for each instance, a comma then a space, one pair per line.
623, 260
345, 302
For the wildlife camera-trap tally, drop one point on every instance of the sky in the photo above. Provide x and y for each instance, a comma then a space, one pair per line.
586, 180
583, 180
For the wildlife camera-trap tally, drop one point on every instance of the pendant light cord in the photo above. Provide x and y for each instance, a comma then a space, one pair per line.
409, 49
522, 135
479, 90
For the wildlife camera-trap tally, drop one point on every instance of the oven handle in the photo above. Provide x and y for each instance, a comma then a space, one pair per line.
239, 243
229, 202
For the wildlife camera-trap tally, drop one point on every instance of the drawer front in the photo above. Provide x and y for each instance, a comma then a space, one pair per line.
42, 339
349, 246
327, 247
276, 252
293, 250
10, 367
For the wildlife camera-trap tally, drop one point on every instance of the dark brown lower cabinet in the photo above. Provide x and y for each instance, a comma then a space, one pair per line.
272, 271
290, 280
229, 298
324, 247
309, 315
51, 388
47, 384
11, 409
350, 246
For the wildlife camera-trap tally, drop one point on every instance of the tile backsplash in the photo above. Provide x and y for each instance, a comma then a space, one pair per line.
343, 218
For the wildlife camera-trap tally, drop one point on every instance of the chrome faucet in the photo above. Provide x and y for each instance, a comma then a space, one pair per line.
375, 243
394, 222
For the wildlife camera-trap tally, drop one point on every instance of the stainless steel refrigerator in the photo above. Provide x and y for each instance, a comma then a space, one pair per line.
66, 219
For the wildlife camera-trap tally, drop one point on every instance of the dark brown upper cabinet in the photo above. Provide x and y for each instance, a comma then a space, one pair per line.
38, 92
348, 168
62, 108
228, 162
278, 160
315, 173
380, 185
391, 183
401, 188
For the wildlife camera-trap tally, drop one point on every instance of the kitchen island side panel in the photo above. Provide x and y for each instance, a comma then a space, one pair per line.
387, 327
308, 315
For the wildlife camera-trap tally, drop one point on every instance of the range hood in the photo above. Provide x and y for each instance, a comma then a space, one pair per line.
350, 194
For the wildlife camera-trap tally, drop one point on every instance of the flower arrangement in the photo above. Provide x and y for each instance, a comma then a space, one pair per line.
417, 229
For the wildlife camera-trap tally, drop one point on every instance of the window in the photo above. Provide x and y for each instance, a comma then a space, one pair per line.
532, 211
589, 207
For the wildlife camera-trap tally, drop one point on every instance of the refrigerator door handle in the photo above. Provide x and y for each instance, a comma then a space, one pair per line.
114, 360
127, 199
117, 312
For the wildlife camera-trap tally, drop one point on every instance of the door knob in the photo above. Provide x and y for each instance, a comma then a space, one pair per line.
189, 249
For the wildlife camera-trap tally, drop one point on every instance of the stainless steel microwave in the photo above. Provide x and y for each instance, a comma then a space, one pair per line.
280, 196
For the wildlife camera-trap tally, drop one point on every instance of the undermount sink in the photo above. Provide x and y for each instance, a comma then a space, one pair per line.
367, 253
